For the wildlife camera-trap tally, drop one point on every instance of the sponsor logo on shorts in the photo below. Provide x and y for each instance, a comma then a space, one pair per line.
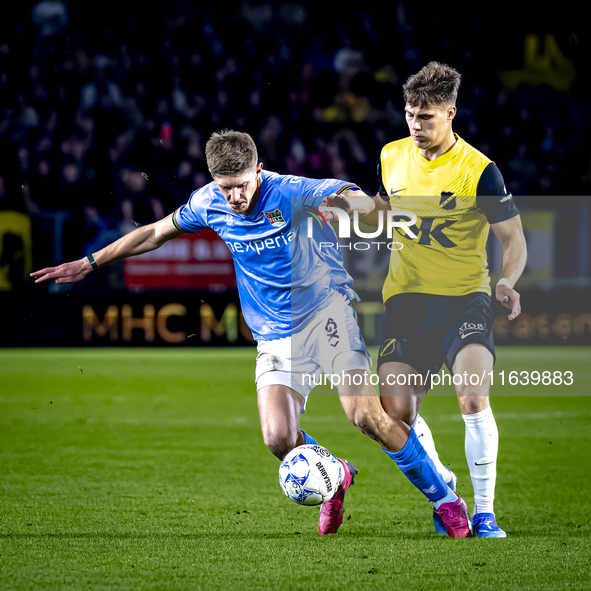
469, 328
387, 347
331, 332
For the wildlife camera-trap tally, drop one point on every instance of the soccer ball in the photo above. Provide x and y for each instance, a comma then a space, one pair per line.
310, 475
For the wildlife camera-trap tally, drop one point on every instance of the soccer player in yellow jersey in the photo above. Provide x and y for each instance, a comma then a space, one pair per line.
437, 292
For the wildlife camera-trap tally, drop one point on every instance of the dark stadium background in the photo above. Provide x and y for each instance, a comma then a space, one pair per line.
105, 109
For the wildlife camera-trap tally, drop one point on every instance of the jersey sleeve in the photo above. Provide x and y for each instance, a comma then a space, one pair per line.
381, 189
191, 217
492, 196
306, 192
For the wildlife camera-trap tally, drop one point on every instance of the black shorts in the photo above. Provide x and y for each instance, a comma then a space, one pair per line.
425, 331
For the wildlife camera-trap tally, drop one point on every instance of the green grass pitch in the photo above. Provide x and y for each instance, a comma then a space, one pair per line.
145, 469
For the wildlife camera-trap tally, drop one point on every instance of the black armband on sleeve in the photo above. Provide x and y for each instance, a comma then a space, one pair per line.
381, 189
492, 196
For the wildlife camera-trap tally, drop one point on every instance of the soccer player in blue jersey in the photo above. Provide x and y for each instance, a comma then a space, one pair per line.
297, 300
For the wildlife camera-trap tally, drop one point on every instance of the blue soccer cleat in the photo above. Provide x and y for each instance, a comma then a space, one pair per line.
485, 526
437, 522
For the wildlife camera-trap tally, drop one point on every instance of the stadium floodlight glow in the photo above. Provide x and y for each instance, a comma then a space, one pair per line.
395, 218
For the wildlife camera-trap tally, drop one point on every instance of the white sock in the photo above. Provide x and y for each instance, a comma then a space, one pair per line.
482, 445
426, 438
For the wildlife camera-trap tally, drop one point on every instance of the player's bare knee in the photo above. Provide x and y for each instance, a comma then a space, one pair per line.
472, 403
408, 416
401, 413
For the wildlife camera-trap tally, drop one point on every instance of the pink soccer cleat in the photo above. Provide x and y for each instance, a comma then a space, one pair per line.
331, 512
455, 518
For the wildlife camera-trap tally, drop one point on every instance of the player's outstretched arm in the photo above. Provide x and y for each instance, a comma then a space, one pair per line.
373, 218
141, 240
350, 201
512, 239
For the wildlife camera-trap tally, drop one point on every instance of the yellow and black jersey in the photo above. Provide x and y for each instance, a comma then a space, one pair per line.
455, 198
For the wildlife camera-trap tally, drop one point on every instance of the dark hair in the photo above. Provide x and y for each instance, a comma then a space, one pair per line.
435, 84
230, 153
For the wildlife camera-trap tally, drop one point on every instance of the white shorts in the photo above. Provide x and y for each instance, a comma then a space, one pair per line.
330, 341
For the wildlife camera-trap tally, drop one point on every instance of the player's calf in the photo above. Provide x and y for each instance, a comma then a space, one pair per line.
365, 421
279, 411
280, 444
418, 467
366, 413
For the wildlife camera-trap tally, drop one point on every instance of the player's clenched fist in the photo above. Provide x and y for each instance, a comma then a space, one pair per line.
64, 273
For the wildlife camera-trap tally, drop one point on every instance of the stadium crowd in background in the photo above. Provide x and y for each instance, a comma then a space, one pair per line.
104, 112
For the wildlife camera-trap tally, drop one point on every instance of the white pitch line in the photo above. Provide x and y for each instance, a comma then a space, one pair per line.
528, 416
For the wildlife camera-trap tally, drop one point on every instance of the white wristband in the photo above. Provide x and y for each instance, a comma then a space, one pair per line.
504, 281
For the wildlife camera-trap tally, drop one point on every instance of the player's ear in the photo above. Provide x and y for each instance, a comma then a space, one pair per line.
259, 168
451, 112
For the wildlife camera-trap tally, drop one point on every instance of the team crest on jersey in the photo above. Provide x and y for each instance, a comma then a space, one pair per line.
448, 200
275, 217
